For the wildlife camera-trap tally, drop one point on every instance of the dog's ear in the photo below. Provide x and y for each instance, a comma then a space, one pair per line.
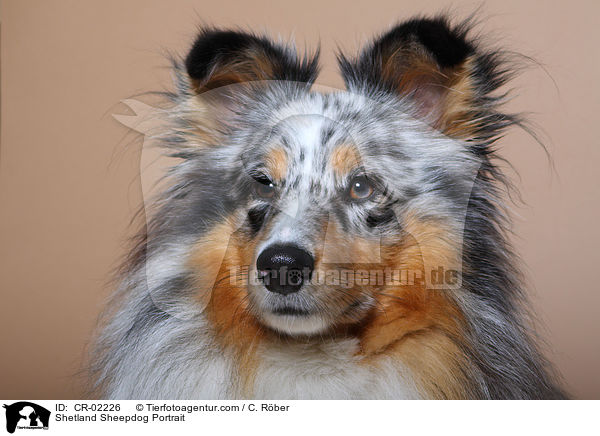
442, 72
223, 57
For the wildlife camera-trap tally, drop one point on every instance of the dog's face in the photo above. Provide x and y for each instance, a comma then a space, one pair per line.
320, 206
325, 193
318, 197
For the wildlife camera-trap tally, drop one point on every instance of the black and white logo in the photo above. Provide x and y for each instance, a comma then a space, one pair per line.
26, 415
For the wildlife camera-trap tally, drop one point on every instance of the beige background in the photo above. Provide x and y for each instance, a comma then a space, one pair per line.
69, 173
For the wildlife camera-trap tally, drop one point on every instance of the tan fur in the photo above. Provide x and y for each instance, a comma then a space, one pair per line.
444, 97
344, 159
419, 327
255, 65
277, 163
458, 104
358, 256
226, 301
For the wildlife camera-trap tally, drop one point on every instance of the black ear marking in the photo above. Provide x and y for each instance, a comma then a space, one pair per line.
448, 46
438, 68
223, 57
428, 44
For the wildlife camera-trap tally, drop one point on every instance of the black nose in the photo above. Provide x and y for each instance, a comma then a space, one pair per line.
284, 268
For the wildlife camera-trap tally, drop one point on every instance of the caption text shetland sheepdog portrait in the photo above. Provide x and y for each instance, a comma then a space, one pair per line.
328, 244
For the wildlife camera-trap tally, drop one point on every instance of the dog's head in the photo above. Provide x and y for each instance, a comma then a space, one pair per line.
308, 209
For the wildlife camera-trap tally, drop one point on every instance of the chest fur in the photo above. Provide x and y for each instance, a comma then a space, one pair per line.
329, 370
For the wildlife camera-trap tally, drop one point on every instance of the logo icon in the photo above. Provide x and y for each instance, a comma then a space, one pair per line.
26, 415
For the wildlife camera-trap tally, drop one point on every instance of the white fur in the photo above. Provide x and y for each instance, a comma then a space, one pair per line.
329, 370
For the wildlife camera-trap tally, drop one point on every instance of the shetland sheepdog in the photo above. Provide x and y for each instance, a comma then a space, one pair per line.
317, 244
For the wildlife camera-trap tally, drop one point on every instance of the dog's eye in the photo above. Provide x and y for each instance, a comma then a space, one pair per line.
360, 188
264, 187
265, 191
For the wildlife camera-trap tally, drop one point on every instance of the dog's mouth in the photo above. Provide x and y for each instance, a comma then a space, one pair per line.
293, 314
304, 313
291, 311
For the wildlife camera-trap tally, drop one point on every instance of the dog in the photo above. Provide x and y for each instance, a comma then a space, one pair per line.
311, 244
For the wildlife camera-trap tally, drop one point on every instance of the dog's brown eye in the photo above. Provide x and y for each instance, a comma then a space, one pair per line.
360, 188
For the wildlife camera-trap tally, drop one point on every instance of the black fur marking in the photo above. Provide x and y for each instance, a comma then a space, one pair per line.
214, 49
446, 45
410, 192
256, 217
327, 134
384, 217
